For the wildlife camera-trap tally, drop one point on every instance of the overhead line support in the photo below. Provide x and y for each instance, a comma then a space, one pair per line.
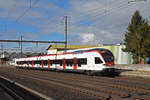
30, 41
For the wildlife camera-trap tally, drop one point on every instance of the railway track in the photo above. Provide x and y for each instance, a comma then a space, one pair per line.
91, 84
96, 87
17, 91
112, 82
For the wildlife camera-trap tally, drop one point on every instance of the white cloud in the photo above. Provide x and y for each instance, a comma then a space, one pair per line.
109, 18
86, 38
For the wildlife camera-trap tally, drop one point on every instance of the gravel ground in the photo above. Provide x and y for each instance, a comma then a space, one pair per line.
55, 92
4, 95
143, 74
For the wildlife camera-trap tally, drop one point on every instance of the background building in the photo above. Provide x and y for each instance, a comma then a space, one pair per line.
4, 59
120, 56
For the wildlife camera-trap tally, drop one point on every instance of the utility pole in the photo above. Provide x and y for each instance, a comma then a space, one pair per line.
2, 49
65, 32
21, 45
1, 46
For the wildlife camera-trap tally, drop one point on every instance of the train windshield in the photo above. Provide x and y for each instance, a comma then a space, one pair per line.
107, 55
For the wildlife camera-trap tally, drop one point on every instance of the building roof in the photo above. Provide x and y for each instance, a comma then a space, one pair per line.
61, 47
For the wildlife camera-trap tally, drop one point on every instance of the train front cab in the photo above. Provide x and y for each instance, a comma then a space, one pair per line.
104, 63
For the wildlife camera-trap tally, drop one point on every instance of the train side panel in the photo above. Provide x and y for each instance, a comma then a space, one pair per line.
91, 60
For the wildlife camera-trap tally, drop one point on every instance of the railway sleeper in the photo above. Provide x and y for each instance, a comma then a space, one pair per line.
136, 90
91, 93
137, 87
94, 93
115, 92
114, 97
139, 97
141, 92
111, 91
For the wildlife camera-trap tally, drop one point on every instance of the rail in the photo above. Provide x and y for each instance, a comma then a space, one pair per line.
20, 92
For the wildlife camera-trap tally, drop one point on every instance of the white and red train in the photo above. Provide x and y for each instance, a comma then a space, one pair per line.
94, 60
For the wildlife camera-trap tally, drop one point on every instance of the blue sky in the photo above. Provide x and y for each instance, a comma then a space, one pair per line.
90, 22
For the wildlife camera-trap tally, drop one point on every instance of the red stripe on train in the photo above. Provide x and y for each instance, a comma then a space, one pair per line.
109, 63
64, 63
48, 63
42, 64
75, 63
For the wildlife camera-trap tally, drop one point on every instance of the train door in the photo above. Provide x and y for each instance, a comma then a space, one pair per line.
42, 64
74, 63
48, 63
32, 63
64, 63
90, 62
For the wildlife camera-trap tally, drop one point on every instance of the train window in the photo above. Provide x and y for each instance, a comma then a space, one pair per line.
108, 56
22, 62
69, 62
57, 62
37, 62
98, 60
79, 65
60, 62
52, 62
18, 62
30, 62
82, 61
45, 62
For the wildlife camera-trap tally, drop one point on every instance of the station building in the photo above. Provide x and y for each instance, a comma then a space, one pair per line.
4, 59
120, 56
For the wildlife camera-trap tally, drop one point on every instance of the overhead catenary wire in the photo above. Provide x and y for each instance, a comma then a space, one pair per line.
120, 25
103, 9
17, 19
27, 10
97, 22
94, 17
123, 5
103, 12
95, 10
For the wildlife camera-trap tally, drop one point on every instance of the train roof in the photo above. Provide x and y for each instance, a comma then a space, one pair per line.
78, 51
90, 49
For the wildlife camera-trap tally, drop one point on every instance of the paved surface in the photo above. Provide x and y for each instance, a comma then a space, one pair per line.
144, 74
134, 70
135, 67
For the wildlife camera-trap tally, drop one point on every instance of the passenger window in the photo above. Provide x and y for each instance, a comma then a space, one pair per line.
45, 62
69, 62
79, 65
98, 60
